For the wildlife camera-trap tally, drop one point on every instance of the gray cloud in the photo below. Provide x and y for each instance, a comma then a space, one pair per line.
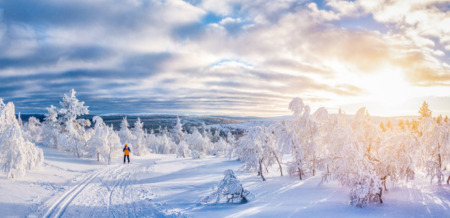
232, 57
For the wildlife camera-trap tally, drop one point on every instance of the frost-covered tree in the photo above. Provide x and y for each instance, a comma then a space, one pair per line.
435, 147
177, 132
161, 144
183, 150
299, 139
124, 133
51, 128
352, 162
71, 132
105, 143
179, 138
388, 124
396, 157
220, 148
258, 150
228, 190
231, 141
439, 119
33, 130
140, 138
382, 127
401, 124
19, 119
197, 144
18, 155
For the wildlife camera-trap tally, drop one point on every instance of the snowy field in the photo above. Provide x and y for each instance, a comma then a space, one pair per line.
165, 186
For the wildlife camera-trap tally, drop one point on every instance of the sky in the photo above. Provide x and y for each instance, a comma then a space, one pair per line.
227, 57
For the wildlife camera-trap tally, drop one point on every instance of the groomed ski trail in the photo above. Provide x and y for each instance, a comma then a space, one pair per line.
108, 192
58, 208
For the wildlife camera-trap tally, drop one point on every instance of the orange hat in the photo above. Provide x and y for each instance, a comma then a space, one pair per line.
126, 145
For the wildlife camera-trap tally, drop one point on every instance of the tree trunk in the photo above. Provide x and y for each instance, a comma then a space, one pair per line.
260, 170
440, 162
98, 157
299, 170
448, 179
379, 195
278, 161
384, 182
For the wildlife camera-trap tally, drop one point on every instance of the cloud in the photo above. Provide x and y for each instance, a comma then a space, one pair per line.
229, 56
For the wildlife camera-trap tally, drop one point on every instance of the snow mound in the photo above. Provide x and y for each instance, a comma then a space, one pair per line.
229, 190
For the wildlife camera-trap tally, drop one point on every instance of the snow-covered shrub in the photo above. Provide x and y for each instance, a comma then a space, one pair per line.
228, 190
17, 153
104, 143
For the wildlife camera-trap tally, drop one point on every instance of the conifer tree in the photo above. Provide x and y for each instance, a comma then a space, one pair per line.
424, 111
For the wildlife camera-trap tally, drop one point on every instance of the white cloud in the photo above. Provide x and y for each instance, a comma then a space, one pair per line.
285, 49
345, 8
322, 15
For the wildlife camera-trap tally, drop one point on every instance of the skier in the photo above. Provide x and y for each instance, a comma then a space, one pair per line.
126, 153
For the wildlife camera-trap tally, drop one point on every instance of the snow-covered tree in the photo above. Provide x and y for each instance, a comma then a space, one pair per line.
435, 147
352, 163
231, 141
19, 119
179, 138
228, 190
396, 157
177, 132
124, 133
183, 150
105, 143
197, 144
51, 128
140, 138
258, 150
299, 139
33, 130
18, 155
72, 135
161, 143
220, 148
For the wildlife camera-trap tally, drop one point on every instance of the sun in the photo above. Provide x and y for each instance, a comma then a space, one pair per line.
388, 89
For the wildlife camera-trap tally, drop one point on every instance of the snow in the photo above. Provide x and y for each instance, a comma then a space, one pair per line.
157, 185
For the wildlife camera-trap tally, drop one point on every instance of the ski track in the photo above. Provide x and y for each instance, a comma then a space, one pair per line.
107, 192
58, 208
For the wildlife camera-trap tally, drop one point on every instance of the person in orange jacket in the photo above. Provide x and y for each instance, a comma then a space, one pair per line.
126, 153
